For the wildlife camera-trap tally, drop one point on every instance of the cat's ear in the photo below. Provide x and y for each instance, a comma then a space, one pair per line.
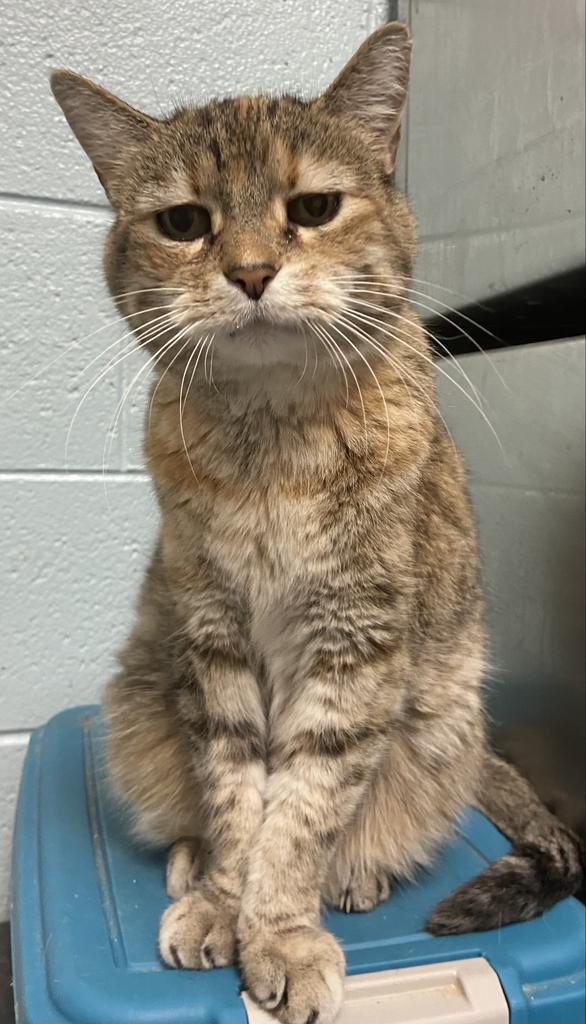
372, 87
107, 128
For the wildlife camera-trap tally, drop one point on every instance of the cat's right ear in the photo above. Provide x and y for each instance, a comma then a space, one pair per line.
372, 88
108, 129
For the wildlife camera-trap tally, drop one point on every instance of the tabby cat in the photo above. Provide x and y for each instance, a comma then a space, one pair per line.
299, 709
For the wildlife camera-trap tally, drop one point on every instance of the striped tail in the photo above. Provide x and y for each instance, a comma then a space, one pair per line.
546, 863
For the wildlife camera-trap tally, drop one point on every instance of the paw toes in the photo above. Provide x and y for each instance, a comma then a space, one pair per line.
178, 935
194, 933
365, 893
175, 955
207, 957
311, 968
267, 981
219, 945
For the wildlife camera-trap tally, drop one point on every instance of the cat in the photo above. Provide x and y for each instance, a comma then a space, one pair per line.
299, 709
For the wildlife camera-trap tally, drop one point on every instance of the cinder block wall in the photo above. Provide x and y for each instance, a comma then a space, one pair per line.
75, 533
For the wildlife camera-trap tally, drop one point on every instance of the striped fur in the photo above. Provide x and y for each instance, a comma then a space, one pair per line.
299, 705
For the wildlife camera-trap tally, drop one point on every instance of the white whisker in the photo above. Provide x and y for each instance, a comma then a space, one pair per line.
380, 278
142, 291
390, 290
315, 357
448, 320
381, 351
344, 357
461, 330
205, 363
196, 352
402, 331
394, 364
305, 363
377, 382
212, 366
68, 349
375, 322
151, 362
132, 333
153, 333
337, 363
178, 337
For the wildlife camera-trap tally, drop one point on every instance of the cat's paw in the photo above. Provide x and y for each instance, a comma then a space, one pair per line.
299, 976
359, 894
196, 932
183, 867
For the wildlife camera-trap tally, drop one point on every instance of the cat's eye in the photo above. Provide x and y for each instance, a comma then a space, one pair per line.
313, 209
184, 223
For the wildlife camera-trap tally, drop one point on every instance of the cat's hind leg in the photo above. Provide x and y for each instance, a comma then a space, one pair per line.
148, 761
148, 754
408, 813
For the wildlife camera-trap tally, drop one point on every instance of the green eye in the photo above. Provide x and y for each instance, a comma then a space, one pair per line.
313, 209
184, 223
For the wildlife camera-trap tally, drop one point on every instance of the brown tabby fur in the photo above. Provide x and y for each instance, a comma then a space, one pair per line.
300, 698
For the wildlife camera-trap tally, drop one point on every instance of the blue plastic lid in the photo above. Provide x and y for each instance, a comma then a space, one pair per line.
87, 903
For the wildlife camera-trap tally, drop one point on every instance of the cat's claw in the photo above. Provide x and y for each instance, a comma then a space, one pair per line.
197, 933
299, 976
357, 892
363, 894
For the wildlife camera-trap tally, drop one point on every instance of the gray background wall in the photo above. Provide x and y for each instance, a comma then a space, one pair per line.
74, 534
494, 160
528, 494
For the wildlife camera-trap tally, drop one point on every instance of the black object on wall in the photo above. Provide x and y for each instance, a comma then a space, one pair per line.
541, 311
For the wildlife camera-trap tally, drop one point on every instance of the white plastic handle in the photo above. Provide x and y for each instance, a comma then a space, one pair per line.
458, 992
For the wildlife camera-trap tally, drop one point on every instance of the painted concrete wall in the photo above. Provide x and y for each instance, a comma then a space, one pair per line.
76, 526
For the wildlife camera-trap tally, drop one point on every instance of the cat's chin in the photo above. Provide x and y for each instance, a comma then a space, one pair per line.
262, 331
261, 343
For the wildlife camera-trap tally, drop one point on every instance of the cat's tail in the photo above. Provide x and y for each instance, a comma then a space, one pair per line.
546, 864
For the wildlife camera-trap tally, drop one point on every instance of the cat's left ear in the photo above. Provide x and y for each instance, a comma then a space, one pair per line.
109, 130
372, 88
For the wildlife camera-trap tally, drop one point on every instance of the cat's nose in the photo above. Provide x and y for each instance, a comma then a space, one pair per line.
252, 279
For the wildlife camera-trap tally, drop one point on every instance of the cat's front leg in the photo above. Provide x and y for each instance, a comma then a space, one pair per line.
221, 709
326, 745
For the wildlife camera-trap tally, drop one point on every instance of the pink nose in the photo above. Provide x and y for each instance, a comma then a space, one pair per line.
252, 279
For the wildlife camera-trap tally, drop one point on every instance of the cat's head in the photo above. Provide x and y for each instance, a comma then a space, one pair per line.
253, 218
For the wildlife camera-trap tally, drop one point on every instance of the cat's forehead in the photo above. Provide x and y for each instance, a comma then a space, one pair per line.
249, 148
245, 144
